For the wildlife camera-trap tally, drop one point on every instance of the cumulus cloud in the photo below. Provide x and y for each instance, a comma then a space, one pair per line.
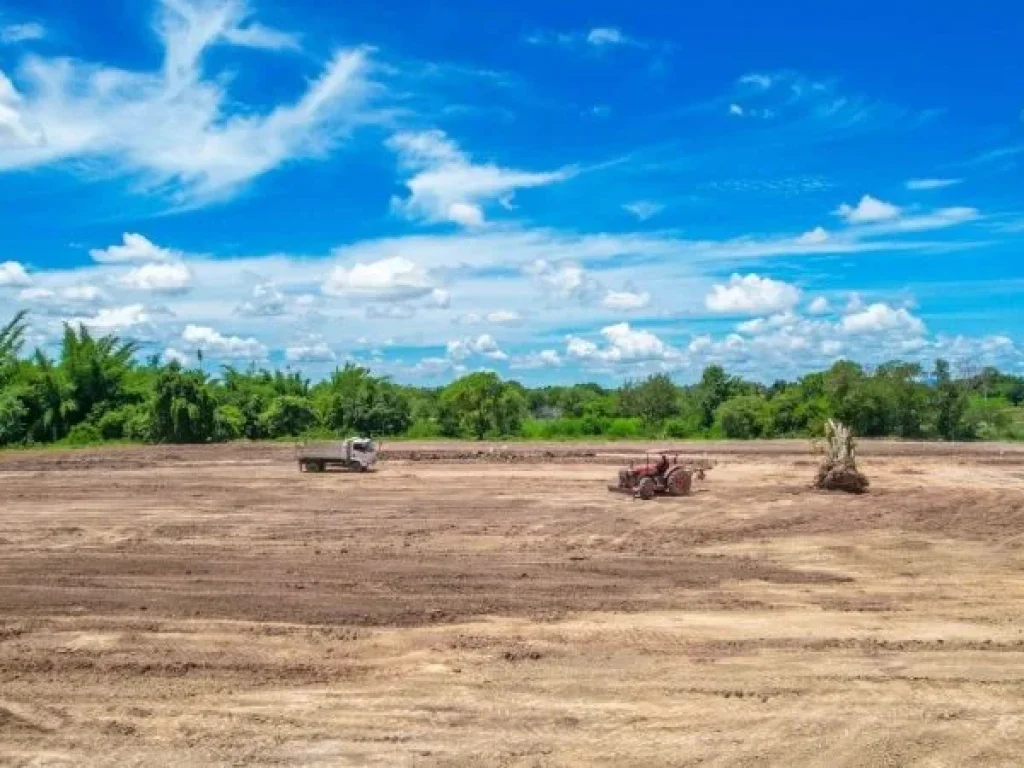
312, 350
63, 301
484, 345
113, 319
623, 344
816, 236
391, 279
625, 300
644, 209
176, 130
265, 301
751, 294
928, 184
216, 344
13, 274
819, 306
868, 210
564, 281
447, 186
881, 317
159, 278
172, 355
134, 248
546, 358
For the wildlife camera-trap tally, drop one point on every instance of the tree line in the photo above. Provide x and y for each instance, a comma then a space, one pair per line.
97, 390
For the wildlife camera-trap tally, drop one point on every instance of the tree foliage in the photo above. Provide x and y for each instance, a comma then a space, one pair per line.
90, 388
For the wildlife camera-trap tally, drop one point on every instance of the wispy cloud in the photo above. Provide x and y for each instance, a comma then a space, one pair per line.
177, 131
644, 209
596, 39
21, 33
931, 183
447, 186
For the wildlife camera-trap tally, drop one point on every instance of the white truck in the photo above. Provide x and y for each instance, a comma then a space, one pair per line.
357, 454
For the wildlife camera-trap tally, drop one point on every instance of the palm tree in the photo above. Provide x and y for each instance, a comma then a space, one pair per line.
95, 368
11, 339
54, 399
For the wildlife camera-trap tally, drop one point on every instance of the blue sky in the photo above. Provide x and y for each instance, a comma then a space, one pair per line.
555, 191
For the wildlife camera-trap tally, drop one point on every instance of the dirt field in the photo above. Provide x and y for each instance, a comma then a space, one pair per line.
213, 606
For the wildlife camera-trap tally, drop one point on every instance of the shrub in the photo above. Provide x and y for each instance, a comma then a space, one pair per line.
83, 434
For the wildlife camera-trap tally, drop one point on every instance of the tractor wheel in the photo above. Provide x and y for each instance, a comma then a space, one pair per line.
679, 483
645, 490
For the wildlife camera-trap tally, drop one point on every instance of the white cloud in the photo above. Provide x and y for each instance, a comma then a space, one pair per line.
67, 300
134, 248
546, 358
441, 298
216, 344
266, 301
176, 131
13, 274
644, 209
819, 306
868, 210
484, 345
758, 80
566, 280
446, 186
601, 36
390, 312
314, 350
392, 279
504, 317
736, 110
111, 319
928, 184
881, 317
816, 236
172, 355
941, 218
751, 294
22, 33
623, 344
159, 278
625, 300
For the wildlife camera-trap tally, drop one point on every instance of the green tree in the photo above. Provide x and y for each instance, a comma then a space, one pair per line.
715, 388
183, 407
950, 402
471, 406
744, 418
655, 399
287, 416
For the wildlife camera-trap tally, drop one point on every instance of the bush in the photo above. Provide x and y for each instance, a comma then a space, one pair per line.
83, 434
287, 416
681, 429
423, 429
744, 418
228, 423
624, 429
13, 418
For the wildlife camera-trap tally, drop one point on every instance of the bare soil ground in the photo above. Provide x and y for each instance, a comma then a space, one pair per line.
213, 606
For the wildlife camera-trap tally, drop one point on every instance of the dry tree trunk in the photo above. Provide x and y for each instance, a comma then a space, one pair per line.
838, 470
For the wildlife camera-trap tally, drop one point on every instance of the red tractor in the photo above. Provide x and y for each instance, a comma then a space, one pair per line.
664, 477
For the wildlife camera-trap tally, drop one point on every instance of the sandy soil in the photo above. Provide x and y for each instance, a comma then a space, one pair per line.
213, 606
